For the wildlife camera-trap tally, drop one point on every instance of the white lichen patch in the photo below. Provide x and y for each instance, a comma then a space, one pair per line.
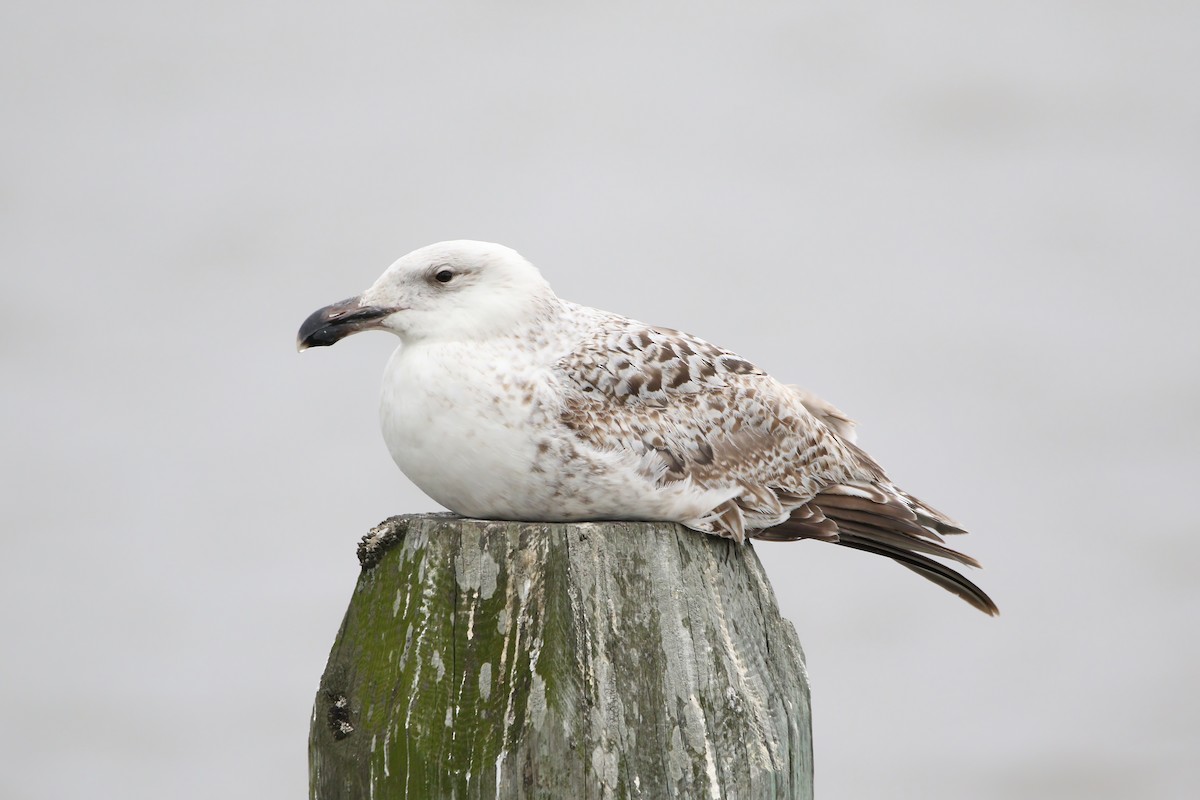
428, 593
695, 730
438, 664
678, 759
710, 766
604, 767
408, 637
474, 568
485, 681
733, 700
489, 572
536, 710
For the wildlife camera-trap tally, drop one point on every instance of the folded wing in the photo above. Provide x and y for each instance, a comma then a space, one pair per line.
786, 458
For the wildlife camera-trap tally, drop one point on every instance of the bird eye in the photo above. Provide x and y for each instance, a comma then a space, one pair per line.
444, 276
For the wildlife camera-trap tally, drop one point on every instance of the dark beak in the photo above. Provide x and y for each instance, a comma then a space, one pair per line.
330, 324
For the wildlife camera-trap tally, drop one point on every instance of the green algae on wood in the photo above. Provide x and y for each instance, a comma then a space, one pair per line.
531, 660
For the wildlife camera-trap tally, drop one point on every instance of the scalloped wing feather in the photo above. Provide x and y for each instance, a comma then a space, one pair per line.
702, 414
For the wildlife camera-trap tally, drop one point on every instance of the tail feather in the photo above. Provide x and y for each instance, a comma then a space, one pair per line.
906, 527
927, 568
901, 541
879, 518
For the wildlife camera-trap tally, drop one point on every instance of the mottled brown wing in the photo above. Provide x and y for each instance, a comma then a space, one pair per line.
711, 417
715, 419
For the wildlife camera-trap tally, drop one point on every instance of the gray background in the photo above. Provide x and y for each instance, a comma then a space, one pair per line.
972, 226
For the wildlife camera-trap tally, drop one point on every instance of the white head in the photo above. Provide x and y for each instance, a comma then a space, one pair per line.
449, 291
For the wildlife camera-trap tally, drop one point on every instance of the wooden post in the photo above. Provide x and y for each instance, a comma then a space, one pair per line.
529, 660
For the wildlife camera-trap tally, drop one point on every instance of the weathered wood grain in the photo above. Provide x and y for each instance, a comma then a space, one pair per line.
597, 660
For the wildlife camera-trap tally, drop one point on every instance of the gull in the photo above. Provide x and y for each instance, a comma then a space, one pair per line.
504, 401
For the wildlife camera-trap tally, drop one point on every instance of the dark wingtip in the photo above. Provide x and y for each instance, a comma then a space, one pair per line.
929, 569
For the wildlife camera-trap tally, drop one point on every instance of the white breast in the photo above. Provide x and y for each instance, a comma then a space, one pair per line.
457, 420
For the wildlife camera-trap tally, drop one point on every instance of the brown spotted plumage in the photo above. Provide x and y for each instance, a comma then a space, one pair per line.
714, 419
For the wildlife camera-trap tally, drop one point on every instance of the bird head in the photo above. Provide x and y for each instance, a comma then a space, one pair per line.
450, 291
